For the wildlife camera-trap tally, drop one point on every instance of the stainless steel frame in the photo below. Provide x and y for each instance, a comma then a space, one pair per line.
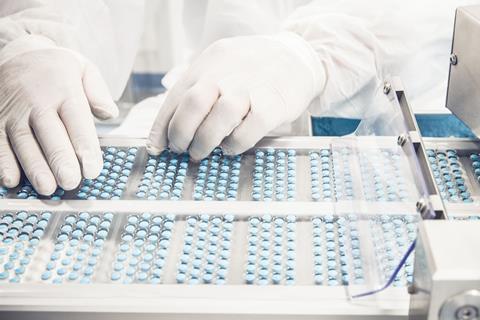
463, 91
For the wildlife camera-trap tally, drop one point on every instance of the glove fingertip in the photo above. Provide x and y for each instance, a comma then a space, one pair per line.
69, 177
174, 148
197, 155
106, 111
44, 183
154, 150
232, 146
91, 168
10, 180
228, 149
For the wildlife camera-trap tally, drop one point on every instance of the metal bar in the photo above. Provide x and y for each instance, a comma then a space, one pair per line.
419, 153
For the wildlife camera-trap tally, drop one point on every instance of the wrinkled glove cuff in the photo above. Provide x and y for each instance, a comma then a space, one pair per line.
23, 45
31, 43
302, 49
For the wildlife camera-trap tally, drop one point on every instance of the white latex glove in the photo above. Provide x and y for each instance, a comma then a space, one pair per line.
237, 91
47, 97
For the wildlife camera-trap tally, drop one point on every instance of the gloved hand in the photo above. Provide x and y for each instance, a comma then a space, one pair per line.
237, 91
47, 97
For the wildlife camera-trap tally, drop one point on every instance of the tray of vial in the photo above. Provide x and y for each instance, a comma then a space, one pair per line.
277, 169
455, 165
48, 253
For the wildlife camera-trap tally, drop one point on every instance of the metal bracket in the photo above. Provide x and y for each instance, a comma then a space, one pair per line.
464, 75
414, 136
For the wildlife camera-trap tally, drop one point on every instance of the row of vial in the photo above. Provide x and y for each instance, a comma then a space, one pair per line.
142, 248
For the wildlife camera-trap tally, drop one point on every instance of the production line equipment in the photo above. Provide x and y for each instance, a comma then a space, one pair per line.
297, 227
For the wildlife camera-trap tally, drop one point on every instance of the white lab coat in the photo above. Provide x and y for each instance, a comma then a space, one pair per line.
359, 42
105, 31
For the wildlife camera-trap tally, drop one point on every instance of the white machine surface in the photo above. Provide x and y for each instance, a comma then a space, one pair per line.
447, 279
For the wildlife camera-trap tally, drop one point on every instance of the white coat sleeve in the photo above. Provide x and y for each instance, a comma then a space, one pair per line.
107, 32
360, 43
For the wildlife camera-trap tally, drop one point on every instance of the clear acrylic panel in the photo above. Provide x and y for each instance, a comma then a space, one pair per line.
391, 185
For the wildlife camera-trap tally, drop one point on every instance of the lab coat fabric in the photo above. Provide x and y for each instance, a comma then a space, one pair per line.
107, 32
360, 43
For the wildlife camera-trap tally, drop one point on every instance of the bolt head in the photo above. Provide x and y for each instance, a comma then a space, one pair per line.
453, 59
387, 87
467, 313
421, 206
401, 140
463, 306
412, 289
